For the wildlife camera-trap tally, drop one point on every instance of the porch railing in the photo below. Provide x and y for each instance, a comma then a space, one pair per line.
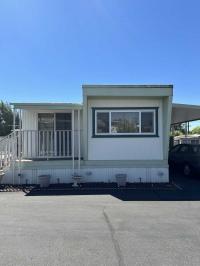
33, 144
7, 150
45, 143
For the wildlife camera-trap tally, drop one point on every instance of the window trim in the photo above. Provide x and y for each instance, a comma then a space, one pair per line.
95, 110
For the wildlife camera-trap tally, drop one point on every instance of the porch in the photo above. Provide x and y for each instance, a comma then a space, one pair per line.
48, 144
43, 132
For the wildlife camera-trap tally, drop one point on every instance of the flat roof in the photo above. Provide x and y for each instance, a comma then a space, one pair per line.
127, 90
48, 105
127, 86
182, 113
181, 105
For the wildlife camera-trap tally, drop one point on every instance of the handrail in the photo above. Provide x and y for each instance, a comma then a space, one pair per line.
7, 150
5, 137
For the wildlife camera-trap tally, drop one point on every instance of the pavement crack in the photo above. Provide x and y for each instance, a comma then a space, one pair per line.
114, 240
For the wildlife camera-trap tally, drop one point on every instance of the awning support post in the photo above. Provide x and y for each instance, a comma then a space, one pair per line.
73, 142
13, 146
79, 142
20, 144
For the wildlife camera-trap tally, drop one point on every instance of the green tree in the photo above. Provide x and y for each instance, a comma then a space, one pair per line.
6, 119
178, 130
196, 130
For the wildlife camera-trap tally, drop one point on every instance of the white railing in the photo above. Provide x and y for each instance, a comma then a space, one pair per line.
186, 140
46, 143
8, 150
33, 144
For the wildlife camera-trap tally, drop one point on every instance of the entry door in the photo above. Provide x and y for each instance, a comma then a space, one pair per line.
45, 134
63, 125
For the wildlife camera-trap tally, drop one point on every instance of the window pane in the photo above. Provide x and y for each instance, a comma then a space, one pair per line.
124, 122
175, 148
63, 121
184, 149
102, 122
147, 122
46, 121
194, 141
196, 149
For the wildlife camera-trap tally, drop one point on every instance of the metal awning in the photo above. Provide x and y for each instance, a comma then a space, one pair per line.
49, 106
182, 113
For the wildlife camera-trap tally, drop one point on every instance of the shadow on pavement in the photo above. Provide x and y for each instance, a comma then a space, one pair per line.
180, 188
124, 194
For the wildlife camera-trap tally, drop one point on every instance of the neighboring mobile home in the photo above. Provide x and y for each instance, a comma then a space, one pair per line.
119, 129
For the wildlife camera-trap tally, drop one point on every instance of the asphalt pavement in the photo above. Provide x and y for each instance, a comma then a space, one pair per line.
145, 227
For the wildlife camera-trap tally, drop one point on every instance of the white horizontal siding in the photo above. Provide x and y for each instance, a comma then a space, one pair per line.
129, 148
30, 122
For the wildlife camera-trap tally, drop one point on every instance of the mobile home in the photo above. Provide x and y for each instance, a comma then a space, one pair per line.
118, 129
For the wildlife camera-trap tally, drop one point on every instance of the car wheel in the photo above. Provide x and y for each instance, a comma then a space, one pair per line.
187, 170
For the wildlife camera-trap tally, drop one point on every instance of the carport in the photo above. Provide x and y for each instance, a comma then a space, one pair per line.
184, 113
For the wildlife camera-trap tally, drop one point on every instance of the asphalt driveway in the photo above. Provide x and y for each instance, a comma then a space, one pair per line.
99, 230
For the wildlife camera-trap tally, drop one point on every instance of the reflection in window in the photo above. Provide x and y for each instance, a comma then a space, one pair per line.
63, 121
184, 149
147, 122
124, 122
102, 122
45, 121
196, 149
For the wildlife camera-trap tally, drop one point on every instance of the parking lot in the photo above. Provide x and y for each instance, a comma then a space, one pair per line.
143, 226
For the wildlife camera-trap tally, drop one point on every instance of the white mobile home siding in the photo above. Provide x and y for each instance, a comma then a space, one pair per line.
30, 122
142, 159
129, 148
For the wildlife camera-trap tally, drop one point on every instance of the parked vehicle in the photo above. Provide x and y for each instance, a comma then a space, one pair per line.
185, 157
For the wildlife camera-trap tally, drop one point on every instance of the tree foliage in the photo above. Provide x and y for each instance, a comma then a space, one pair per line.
196, 130
6, 119
179, 130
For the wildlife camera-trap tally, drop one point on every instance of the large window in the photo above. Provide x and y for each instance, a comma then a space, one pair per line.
45, 121
125, 122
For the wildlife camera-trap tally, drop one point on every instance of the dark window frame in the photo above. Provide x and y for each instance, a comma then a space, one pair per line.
127, 135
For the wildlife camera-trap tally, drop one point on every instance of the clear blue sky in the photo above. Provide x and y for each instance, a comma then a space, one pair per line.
48, 48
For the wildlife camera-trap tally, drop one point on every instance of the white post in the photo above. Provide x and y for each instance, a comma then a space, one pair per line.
20, 143
79, 142
13, 148
13, 119
73, 141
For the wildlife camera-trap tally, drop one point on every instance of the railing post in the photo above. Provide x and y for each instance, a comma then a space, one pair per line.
68, 146
73, 141
64, 137
47, 146
59, 141
79, 141
19, 143
1, 160
13, 136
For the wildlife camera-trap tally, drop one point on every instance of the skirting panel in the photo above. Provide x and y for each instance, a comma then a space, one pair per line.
64, 175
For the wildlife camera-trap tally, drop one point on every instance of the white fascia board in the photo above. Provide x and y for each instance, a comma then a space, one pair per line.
47, 106
127, 91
